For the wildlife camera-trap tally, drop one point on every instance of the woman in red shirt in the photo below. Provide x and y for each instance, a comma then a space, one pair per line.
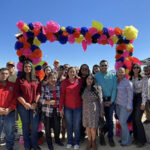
71, 100
28, 94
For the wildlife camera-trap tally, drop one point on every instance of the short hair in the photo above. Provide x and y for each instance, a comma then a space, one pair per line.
4, 69
146, 68
53, 74
102, 61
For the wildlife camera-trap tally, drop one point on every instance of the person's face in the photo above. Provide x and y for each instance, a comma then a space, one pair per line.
121, 73
52, 80
11, 68
89, 80
147, 73
136, 69
72, 73
4, 75
96, 70
104, 67
84, 71
27, 68
47, 71
56, 64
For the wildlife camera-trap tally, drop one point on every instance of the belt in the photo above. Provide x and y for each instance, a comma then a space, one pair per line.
106, 98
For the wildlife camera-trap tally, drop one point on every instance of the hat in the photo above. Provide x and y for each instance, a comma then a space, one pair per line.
10, 63
56, 61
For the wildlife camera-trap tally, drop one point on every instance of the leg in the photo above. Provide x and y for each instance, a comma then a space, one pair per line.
147, 110
63, 128
47, 122
25, 118
34, 131
77, 115
88, 132
69, 123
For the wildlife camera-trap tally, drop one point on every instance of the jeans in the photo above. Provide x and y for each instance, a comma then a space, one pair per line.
8, 123
73, 121
138, 128
123, 116
30, 137
109, 121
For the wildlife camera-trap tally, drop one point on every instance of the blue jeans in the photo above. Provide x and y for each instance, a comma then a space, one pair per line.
109, 119
123, 116
73, 121
8, 123
30, 140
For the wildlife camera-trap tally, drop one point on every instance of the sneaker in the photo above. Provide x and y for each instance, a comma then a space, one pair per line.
69, 146
111, 142
102, 139
76, 146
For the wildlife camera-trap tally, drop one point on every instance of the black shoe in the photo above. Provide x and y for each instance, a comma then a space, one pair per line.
59, 143
102, 139
37, 148
111, 142
10, 149
51, 147
146, 122
140, 145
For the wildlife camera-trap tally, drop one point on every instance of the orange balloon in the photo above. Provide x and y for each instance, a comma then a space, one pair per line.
19, 53
37, 53
118, 31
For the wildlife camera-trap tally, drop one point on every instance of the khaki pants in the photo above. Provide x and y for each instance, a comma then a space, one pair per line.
147, 110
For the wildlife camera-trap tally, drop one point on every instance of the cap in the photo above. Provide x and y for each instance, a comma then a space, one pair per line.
56, 61
10, 63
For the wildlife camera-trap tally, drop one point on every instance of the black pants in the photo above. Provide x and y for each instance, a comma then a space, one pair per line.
52, 122
138, 128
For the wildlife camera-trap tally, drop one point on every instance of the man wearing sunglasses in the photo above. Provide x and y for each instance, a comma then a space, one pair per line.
107, 81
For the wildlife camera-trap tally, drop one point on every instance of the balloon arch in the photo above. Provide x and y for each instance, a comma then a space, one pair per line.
33, 34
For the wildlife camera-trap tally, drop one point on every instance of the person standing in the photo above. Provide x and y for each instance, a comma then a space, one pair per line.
7, 107
139, 101
124, 105
28, 89
107, 81
70, 99
56, 65
92, 109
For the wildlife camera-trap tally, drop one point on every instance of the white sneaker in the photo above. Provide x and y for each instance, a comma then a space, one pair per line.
69, 146
76, 147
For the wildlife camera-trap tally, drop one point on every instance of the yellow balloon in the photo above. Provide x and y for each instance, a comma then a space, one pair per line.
63, 28
127, 71
39, 64
97, 25
80, 39
25, 28
36, 42
114, 39
129, 47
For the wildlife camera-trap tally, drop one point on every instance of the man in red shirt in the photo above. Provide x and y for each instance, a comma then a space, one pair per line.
7, 107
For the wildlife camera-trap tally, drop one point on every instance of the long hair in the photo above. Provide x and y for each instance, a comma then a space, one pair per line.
94, 67
132, 72
45, 77
80, 73
32, 73
94, 86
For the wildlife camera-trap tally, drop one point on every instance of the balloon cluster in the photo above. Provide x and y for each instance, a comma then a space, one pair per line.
34, 34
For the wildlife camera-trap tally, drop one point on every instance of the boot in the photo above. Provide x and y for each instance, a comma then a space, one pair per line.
89, 144
94, 145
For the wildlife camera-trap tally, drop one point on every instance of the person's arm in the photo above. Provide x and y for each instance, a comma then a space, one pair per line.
113, 94
129, 88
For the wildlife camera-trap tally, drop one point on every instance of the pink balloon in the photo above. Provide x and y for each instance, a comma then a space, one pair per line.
118, 65
52, 26
131, 41
125, 54
52, 38
110, 41
20, 24
92, 30
89, 41
84, 45
36, 60
78, 29
27, 52
37, 25
44, 29
19, 66
111, 31
71, 39
24, 35
21, 141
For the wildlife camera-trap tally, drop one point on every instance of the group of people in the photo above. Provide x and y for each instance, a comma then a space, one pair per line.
74, 99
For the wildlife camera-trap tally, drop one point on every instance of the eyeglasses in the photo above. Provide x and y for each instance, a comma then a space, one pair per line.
104, 65
136, 68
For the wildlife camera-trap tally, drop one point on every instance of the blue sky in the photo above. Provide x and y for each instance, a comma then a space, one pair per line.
76, 13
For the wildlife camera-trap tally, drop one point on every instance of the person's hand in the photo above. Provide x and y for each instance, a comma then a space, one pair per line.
142, 107
27, 106
7, 111
128, 110
62, 113
52, 102
33, 106
107, 104
2, 111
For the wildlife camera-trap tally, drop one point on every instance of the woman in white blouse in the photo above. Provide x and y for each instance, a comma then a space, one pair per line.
139, 100
123, 104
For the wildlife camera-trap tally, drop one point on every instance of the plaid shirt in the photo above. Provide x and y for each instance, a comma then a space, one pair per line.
46, 95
